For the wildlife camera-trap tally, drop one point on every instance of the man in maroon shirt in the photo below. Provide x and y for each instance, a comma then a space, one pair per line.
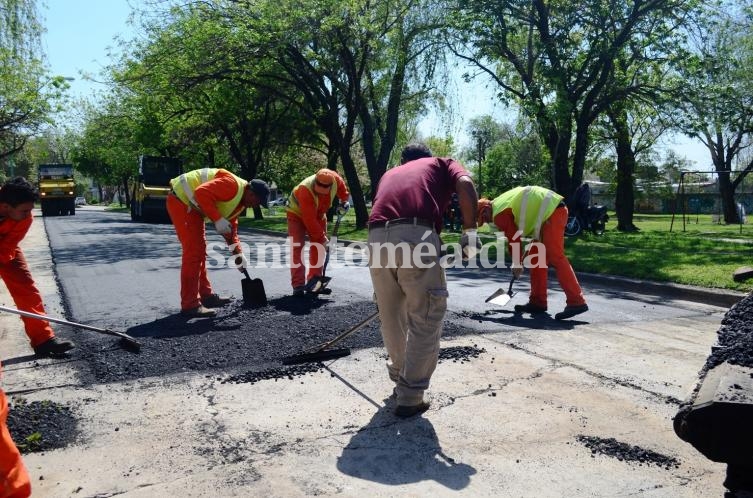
410, 288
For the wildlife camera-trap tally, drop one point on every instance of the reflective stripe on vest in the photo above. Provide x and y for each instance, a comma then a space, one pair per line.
185, 185
308, 183
531, 206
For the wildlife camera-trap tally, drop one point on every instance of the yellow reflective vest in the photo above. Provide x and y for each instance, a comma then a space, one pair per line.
308, 183
531, 206
185, 185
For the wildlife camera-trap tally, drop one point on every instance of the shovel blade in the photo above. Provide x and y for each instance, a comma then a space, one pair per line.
501, 297
253, 292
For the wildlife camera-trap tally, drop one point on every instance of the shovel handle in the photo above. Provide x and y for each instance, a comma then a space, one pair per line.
64, 322
345, 334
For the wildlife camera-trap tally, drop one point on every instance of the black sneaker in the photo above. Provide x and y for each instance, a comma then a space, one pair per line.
529, 308
571, 311
299, 291
53, 347
215, 300
405, 411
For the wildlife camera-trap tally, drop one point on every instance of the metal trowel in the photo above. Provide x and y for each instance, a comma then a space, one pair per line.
502, 297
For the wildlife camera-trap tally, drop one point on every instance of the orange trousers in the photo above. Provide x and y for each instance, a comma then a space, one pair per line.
297, 235
189, 226
14, 480
553, 239
25, 294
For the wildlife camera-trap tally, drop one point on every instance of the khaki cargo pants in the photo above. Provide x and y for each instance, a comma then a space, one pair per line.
412, 302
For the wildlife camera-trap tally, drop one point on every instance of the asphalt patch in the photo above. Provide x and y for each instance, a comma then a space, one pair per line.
41, 425
289, 373
460, 354
245, 342
626, 452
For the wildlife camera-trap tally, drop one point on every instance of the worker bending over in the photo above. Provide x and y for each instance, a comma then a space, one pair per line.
215, 195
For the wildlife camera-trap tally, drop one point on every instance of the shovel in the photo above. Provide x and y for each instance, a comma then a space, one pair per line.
321, 353
253, 291
126, 341
502, 297
318, 284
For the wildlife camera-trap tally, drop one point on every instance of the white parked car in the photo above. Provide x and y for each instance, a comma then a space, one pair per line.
80, 201
282, 201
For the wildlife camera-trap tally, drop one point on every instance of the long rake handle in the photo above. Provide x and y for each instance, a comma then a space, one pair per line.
345, 334
64, 322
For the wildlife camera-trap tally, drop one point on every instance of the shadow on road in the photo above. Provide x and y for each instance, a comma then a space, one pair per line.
394, 452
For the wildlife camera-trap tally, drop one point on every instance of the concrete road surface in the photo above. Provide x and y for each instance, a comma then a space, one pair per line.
528, 407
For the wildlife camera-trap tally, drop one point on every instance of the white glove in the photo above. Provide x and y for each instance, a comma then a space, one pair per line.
343, 208
223, 226
470, 243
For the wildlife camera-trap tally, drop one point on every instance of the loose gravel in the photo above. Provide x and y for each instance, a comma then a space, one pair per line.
626, 452
41, 425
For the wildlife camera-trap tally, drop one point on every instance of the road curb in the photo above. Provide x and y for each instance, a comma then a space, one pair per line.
717, 297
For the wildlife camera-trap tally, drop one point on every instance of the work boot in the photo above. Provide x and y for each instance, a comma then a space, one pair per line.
198, 312
53, 347
406, 411
529, 308
215, 301
571, 311
299, 291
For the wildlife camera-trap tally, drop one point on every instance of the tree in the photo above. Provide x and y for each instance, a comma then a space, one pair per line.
356, 68
556, 59
717, 104
517, 158
27, 94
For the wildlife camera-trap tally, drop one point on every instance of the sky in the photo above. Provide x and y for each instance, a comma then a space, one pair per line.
79, 33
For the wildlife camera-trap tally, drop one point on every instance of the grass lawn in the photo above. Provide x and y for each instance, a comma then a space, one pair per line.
704, 254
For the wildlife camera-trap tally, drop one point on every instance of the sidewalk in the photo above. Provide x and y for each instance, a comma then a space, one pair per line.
520, 418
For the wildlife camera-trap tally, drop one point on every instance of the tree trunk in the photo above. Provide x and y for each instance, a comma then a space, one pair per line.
625, 196
729, 207
127, 193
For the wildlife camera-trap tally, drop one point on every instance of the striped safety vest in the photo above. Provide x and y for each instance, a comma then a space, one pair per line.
531, 207
185, 185
308, 183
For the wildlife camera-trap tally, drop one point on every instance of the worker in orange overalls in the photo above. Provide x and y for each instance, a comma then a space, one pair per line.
14, 480
307, 209
218, 196
17, 198
541, 214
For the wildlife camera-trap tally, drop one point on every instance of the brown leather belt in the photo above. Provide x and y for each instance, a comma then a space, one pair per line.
401, 221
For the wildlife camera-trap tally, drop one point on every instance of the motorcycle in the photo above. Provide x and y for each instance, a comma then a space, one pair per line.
585, 216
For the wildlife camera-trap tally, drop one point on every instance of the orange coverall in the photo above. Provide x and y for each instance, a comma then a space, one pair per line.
14, 480
15, 273
189, 226
313, 222
553, 238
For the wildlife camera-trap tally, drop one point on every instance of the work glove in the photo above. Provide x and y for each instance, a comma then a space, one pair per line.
343, 208
240, 261
223, 226
470, 244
